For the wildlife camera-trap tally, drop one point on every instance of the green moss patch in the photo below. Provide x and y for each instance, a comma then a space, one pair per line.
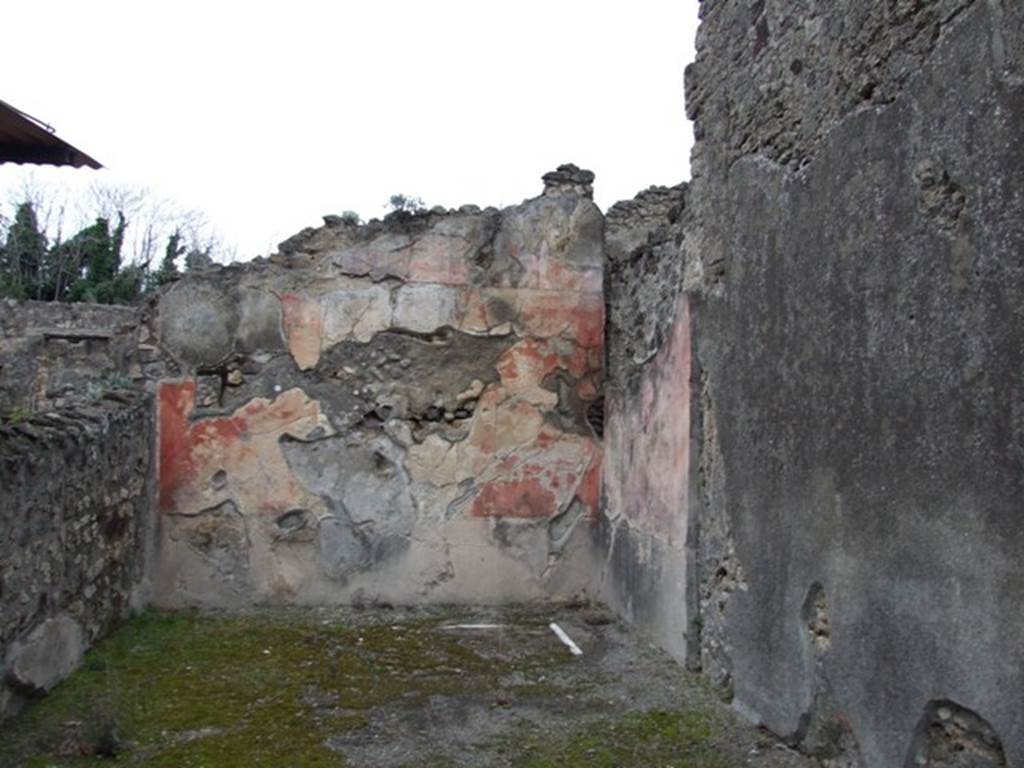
410, 688
668, 739
188, 689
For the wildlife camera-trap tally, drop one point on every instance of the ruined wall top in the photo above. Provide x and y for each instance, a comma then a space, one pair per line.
569, 180
643, 280
772, 76
550, 243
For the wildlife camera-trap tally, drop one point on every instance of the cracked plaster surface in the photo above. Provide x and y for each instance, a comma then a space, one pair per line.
349, 482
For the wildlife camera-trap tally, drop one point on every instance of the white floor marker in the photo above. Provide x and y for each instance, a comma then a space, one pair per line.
565, 639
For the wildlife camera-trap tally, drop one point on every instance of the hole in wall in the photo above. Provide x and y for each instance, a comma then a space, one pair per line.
293, 520
824, 731
816, 618
595, 416
951, 736
219, 480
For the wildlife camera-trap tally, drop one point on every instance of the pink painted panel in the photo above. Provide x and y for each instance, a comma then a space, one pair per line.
648, 441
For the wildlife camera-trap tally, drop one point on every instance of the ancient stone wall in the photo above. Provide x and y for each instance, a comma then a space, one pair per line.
643, 531
643, 280
53, 355
76, 493
853, 244
391, 412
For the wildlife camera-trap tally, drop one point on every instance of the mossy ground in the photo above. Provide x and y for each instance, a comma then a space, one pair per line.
340, 688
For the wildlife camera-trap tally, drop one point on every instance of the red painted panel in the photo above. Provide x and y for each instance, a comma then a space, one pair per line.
174, 400
525, 498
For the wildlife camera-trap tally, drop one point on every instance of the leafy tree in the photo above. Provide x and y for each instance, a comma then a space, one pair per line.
23, 256
197, 258
406, 204
123, 288
168, 271
97, 251
109, 258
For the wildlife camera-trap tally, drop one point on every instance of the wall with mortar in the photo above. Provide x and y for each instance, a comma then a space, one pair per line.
53, 355
389, 412
76, 493
853, 255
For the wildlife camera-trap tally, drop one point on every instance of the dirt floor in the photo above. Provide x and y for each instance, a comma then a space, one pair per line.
383, 687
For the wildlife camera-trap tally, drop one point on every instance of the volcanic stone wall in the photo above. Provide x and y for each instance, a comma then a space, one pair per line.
53, 354
389, 412
853, 243
76, 493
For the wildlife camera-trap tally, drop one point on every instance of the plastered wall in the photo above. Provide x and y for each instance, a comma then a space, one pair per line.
389, 412
852, 246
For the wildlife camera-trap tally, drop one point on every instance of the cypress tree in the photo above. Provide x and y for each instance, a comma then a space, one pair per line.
23, 256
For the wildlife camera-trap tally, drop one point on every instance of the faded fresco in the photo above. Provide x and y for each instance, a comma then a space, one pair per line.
392, 411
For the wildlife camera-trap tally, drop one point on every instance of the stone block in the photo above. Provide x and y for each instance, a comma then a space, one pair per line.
356, 313
50, 653
426, 308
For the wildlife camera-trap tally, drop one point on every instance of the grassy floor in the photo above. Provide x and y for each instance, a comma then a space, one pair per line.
667, 739
188, 690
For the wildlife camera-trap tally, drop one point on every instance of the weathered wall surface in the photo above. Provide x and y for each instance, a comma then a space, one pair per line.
644, 526
53, 354
855, 231
390, 412
75, 485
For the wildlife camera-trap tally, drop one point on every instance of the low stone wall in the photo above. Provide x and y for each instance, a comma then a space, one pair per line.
395, 412
75, 485
53, 355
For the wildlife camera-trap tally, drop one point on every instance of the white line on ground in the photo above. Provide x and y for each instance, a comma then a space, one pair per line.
565, 639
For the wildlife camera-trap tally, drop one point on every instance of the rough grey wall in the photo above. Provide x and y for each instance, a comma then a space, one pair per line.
75, 490
643, 279
53, 354
853, 246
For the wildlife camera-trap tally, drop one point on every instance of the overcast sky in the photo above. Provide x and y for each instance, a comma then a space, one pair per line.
267, 115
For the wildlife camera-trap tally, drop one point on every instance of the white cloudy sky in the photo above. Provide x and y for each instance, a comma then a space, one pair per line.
267, 115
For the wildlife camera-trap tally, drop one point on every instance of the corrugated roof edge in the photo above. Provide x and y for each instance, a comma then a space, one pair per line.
24, 139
